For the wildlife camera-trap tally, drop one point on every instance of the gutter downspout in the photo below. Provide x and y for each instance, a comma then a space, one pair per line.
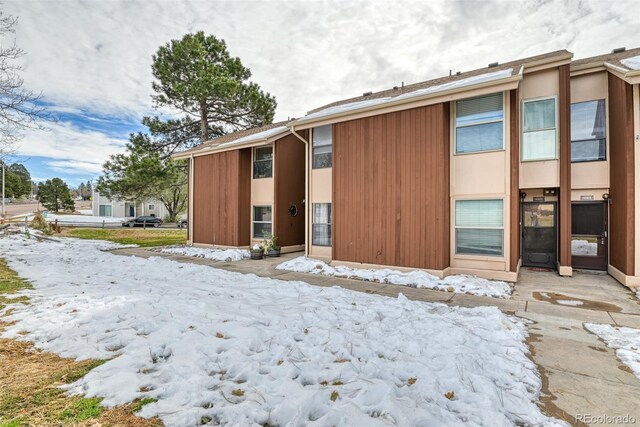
306, 190
190, 204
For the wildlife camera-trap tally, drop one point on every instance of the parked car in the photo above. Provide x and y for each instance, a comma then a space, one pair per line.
182, 223
141, 221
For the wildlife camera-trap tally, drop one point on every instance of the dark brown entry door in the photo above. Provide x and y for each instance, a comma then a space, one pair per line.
539, 231
589, 235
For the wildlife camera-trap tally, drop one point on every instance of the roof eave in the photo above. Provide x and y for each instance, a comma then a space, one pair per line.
304, 124
229, 146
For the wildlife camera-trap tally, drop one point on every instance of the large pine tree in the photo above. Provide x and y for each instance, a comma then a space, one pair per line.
197, 76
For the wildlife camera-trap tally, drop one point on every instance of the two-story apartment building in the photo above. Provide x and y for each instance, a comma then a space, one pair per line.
526, 163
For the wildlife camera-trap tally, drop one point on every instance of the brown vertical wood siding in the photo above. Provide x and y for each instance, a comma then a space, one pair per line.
289, 180
621, 170
514, 161
391, 189
221, 202
564, 196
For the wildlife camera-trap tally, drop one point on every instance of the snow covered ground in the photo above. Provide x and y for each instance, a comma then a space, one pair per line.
209, 253
625, 341
415, 279
584, 248
245, 350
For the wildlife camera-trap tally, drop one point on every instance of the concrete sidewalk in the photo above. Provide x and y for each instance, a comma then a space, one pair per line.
581, 375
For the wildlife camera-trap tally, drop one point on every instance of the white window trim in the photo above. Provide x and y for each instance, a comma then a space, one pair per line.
322, 223
522, 131
504, 126
313, 151
606, 131
253, 159
254, 222
503, 228
105, 204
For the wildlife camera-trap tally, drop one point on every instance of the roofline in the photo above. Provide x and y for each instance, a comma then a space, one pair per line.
412, 100
220, 148
628, 75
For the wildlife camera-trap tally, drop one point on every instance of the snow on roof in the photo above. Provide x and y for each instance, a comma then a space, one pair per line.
632, 63
256, 136
474, 80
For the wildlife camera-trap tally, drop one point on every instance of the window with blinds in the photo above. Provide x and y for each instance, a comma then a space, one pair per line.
321, 232
479, 227
322, 147
588, 131
479, 124
539, 141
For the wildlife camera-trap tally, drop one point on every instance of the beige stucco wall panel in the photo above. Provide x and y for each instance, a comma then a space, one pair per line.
542, 174
537, 85
482, 173
321, 185
590, 175
588, 87
262, 192
596, 193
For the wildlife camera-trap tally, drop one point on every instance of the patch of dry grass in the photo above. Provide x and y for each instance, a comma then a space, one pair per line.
10, 283
30, 393
30, 380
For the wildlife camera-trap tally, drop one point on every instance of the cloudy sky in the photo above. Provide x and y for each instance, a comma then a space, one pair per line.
91, 59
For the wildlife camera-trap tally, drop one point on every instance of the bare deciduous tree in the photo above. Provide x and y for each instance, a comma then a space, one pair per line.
20, 108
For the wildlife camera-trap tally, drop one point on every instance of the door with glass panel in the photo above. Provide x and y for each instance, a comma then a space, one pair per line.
539, 234
589, 235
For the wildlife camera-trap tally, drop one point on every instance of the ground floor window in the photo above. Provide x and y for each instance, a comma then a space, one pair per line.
321, 234
105, 210
262, 221
479, 227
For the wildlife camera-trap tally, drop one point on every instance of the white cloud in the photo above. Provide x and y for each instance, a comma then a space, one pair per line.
95, 57
71, 148
74, 167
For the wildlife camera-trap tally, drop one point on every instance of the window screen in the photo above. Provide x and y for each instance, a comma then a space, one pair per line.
262, 222
479, 227
262, 162
322, 147
588, 131
479, 124
539, 130
321, 233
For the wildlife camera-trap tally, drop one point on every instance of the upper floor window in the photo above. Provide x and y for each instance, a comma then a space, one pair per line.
322, 147
588, 131
539, 141
263, 162
479, 124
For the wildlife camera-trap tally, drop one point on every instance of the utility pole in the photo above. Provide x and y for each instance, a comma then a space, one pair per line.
2, 190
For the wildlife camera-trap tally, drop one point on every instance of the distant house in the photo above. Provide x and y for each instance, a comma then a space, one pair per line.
103, 206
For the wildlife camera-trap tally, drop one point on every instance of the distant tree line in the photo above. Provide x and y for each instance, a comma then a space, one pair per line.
17, 180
